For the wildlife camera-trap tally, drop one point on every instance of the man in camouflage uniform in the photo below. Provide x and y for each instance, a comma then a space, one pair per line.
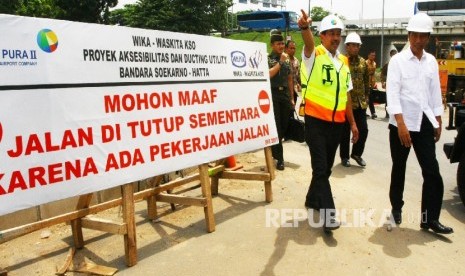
359, 94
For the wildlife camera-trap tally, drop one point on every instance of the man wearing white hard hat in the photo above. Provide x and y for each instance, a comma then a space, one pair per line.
326, 84
359, 95
415, 109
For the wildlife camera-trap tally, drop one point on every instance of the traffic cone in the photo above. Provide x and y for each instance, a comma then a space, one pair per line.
230, 162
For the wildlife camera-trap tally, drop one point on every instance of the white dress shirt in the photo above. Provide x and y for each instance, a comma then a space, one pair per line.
413, 88
309, 61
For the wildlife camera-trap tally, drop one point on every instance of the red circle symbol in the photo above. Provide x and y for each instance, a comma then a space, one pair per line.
264, 101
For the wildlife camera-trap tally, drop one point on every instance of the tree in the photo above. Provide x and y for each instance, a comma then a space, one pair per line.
8, 7
318, 13
195, 16
92, 11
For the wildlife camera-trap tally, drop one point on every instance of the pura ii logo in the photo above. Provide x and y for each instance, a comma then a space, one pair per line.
47, 40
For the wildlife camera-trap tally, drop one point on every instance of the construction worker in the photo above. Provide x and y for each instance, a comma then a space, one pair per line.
326, 80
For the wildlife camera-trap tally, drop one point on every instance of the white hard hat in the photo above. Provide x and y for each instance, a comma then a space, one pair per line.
331, 22
420, 23
353, 38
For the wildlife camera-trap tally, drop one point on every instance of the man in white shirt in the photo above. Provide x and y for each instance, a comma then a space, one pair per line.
415, 108
327, 80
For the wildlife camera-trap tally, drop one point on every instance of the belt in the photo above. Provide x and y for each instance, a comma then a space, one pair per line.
280, 88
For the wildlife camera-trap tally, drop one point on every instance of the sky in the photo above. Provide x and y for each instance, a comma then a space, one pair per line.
350, 9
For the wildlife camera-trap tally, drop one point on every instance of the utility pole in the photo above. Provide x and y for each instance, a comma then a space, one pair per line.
382, 38
309, 8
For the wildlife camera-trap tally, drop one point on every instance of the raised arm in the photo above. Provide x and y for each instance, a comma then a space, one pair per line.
305, 24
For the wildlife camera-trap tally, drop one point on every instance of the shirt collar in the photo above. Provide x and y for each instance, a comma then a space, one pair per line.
410, 54
329, 54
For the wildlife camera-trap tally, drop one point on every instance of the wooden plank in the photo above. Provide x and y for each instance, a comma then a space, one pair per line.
69, 258
270, 169
182, 200
155, 181
151, 201
22, 230
268, 192
76, 228
259, 176
176, 183
104, 225
215, 181
215, 170
130, 244
170, 185
206, 192
269, 163
90, 268
215, 174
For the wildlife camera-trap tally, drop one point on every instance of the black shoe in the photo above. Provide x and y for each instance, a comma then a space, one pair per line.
280, 165
332, 224
345, 162
437, 227
359, 160
374, 116
397, 215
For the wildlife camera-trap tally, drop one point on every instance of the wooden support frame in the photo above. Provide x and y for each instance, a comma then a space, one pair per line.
219, 172
127, 228
154, 194
206, 178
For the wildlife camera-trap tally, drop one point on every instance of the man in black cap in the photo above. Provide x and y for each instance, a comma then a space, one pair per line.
281, 91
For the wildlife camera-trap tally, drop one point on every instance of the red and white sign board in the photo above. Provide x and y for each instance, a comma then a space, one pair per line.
86, 107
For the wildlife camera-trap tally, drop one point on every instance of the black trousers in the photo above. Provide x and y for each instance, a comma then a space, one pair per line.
371, 106
322, 139
282, 109
425, 150
359, 147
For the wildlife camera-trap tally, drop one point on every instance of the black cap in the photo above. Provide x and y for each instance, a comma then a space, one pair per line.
275, 35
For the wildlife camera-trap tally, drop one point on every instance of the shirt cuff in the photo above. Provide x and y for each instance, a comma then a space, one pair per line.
394, 109
438, 111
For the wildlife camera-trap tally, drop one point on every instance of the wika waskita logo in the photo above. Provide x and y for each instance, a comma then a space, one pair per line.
238, 59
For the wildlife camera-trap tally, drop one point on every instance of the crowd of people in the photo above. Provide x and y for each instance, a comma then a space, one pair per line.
338, 89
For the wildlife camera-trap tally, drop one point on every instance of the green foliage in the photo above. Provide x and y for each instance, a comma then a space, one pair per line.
318, 13
195, 16
93, 11
8, 7
265, 38
124, 17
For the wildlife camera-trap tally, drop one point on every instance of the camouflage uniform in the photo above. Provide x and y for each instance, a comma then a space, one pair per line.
361, 82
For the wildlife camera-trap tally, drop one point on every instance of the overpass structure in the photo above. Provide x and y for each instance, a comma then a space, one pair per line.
382, 36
